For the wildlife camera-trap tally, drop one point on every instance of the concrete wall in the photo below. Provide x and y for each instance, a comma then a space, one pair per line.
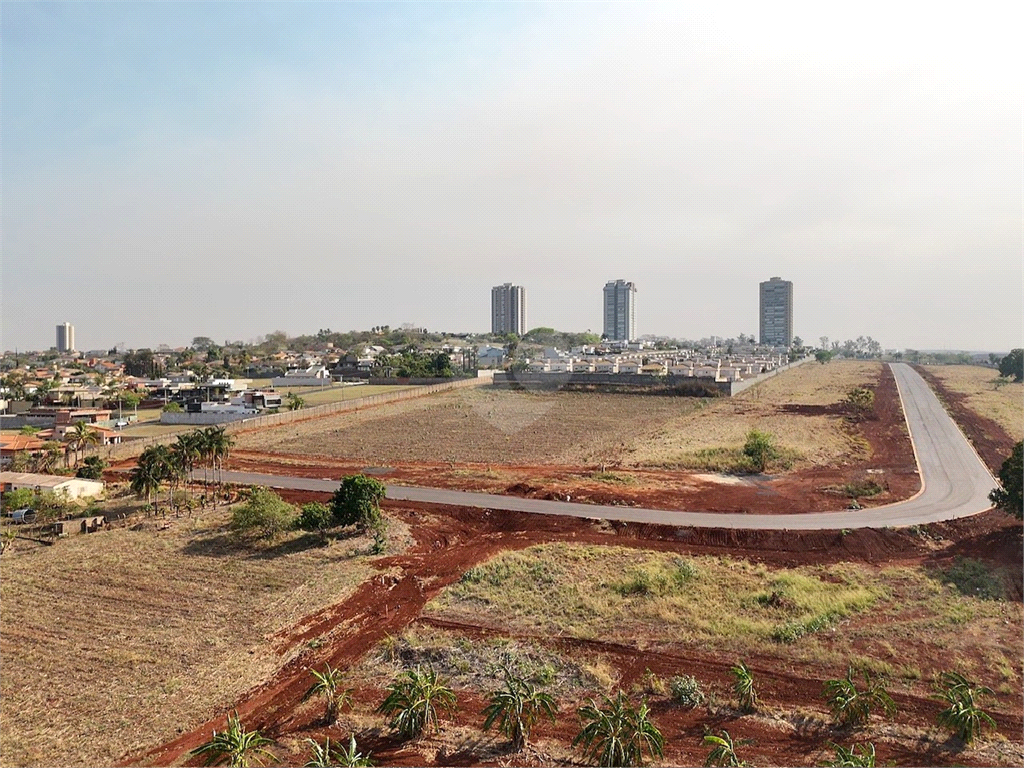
133, 448
682, 385
203, 419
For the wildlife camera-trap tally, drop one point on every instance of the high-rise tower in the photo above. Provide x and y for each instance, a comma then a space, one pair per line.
776, 312
619, 310
66, 337
508, 309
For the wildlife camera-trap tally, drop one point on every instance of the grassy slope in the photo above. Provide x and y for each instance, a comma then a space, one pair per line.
1004, 405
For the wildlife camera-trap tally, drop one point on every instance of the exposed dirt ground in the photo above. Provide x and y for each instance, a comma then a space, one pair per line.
452, 540
879, 451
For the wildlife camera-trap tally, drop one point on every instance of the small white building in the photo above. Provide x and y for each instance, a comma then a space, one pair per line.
313, 376
606, 366
72, 487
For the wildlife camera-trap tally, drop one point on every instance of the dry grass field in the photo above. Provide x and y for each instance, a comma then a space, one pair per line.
904, 622
1004, 405
119, 639
568, 428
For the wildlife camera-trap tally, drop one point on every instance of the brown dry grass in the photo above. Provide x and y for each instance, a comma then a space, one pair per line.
495, 426
116, 640
1004, 405
818, 440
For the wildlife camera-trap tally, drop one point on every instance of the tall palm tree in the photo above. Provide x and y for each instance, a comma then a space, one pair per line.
186, 454
516, 708
148, 474
220, 447
82, 435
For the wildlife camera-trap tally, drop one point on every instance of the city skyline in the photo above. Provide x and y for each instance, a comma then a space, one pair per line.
230, 169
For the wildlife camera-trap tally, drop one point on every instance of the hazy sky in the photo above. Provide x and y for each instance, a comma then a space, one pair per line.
176, 169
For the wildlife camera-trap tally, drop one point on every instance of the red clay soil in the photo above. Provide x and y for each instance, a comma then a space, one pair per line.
450, 540
989, 439
892, 465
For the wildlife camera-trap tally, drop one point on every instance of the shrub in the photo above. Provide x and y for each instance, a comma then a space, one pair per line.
172, 408
234, 746
1010, 496
687, 690
92, 468
860, 400
760, 449
265, 515
21, 498
516, 708
723, 752
315, 517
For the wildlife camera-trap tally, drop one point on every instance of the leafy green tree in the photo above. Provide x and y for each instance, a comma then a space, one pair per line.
92, 468
852, 707
823, 355
264, 516
1010, 497
357, 502
19, 498
618, 734
760, 449
723, 750
329, 684
413, 700
516, 709
962, 714
743, 685
235, 747
172, 407
857, 756
1013, 365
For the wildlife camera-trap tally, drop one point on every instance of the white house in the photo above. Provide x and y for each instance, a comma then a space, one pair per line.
313, 376
72, 487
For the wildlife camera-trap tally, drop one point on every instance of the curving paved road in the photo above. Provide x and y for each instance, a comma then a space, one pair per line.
956, 483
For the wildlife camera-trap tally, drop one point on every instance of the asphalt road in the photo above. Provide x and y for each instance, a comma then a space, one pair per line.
956, 484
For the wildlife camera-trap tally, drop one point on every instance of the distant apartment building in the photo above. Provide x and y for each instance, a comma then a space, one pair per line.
508, 309
776, 312
65, 337
619, 311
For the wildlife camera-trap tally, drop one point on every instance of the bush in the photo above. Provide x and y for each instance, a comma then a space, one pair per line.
973, 578
687, 691
760, 449
172, 408
860, 400
21, 498
265, 515
357, 501
92, 468
315, 517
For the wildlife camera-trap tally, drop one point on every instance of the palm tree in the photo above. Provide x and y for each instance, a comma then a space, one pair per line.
619, 733
516, 709
80, 436
235, 746
414, 698
295, 402
47, 459
186, 454
149, 472
329, 685
220, 444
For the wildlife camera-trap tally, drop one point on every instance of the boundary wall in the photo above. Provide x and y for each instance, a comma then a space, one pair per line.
133, 448
686, 386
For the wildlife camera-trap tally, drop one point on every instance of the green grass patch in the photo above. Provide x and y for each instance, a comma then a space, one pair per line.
974, 578
595, 591
614, 478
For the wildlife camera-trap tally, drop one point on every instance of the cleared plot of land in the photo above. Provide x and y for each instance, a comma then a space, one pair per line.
908, 623
569, 428
1004, 405
338, 392
115, 640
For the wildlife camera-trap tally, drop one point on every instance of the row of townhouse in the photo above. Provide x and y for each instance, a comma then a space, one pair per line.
701, 367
